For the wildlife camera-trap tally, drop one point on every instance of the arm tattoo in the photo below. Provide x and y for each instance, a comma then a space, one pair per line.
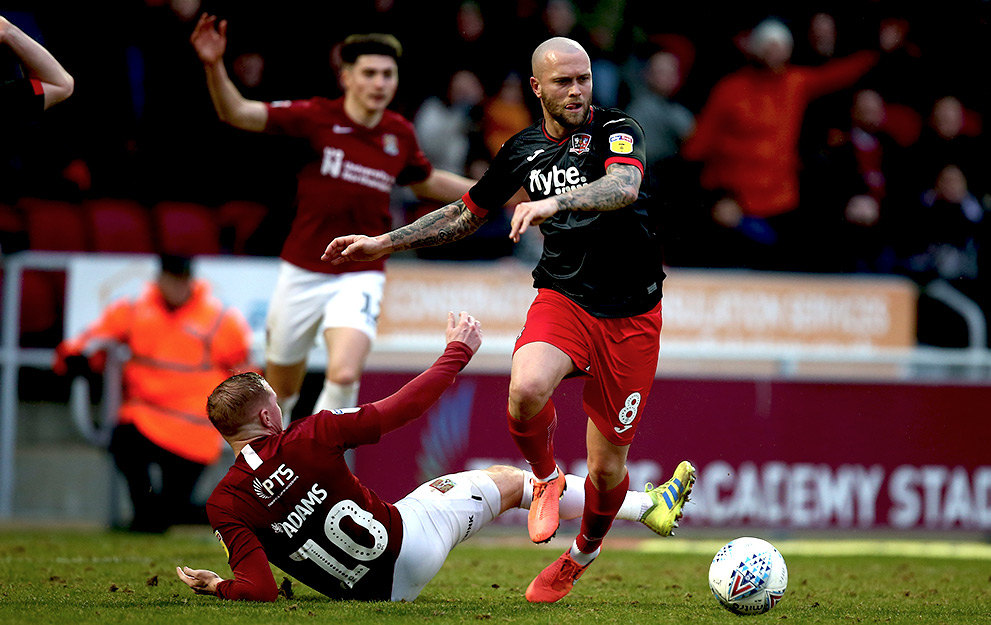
444, 225
618, 188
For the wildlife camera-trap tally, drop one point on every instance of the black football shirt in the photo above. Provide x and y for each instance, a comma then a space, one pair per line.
608, 262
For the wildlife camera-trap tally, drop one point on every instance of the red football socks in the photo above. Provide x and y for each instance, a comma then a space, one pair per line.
535, 439
600, 510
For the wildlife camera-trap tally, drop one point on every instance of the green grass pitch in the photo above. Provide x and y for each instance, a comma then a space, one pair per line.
89, 576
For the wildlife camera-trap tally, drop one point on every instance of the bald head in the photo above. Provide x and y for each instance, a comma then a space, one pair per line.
551, 51
562, 79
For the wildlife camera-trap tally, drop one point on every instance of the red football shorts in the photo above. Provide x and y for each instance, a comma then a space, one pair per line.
619, 357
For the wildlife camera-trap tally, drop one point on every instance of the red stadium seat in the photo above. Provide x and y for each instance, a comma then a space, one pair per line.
13, 231
55, 225
11, 220
239, 219
42, 304
120, 225
186, 228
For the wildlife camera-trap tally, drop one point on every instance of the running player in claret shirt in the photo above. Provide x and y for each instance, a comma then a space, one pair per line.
360, 152
597, 313
290, 499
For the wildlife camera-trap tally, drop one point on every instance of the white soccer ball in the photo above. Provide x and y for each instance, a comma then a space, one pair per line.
748, 576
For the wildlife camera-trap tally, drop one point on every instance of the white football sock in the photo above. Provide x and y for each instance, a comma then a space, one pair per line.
581, 557
336, 395
634, 506
572, 501
572, 504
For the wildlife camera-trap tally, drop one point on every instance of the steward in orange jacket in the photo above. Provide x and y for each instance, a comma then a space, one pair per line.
183, 343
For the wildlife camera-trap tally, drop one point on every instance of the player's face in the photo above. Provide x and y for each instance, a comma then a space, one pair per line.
371, 82
565, 88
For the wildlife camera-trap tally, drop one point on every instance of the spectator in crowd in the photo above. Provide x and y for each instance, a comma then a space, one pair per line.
950, 138
448, 128
506, 113
359, 152
46, 84
454, 135
747, 141
183, 342
949, 238
665, 122
897, 71
829, 110
853, 188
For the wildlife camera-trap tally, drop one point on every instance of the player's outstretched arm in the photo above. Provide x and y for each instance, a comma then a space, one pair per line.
442, 186
444, 225
464, 336
209, 39
618, 188
38, 62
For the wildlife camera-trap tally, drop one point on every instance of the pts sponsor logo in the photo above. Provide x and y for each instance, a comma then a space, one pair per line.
281, 479
556, 181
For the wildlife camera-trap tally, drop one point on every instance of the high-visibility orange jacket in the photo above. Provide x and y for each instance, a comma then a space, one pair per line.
747, 133
177, 358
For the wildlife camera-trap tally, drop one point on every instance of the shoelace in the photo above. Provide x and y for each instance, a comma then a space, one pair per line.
571, 570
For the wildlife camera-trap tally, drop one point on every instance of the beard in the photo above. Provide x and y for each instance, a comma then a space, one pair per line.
569, 119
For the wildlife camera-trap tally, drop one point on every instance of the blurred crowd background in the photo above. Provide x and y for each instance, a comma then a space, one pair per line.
891, 165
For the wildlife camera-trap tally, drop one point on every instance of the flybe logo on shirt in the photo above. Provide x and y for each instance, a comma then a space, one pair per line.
556, 181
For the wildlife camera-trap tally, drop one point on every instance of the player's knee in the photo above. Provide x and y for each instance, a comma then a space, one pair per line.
343, 375
283, 388
509, 481
605, 473
527, 397
503, 471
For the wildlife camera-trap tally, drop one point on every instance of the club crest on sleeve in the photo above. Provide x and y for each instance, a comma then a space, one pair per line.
621, 143
390, 144
580, 143
443, 484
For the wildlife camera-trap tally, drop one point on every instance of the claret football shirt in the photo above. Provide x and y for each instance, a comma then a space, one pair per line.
345, 188
291, 499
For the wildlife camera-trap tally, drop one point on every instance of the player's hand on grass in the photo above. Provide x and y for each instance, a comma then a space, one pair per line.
466, 329
356, 247
531, 214
202, 582
209, 39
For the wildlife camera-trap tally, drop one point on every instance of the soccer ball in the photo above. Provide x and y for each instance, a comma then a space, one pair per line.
748, 576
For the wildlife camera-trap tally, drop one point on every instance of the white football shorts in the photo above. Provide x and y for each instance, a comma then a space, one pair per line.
437, 516
305, 303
